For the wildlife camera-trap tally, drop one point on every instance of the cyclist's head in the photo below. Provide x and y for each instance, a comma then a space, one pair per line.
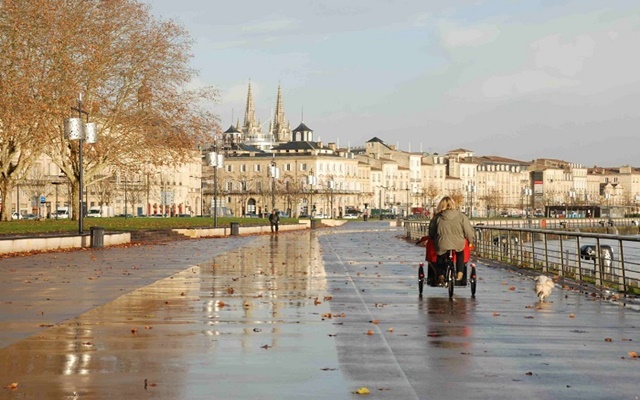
446, 203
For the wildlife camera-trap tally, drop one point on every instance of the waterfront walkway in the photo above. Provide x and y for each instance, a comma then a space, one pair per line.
317, 314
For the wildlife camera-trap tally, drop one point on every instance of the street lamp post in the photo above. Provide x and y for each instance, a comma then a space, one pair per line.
332, 185
74, 129
312, 180
202, 201
572, 196
526, 192
56, 184
163, 195
274, 173
471, 189
125, 197
215, 160
380, 202
407, 216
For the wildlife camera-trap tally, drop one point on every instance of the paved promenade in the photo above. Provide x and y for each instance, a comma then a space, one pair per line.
303, 315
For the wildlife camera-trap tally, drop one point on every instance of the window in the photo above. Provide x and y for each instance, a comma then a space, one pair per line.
243, 168
256, 168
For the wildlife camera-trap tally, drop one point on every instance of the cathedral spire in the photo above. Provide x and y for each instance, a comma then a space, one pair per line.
280, 129
250, 123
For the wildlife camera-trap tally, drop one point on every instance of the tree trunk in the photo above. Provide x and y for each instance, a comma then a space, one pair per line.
6, 189
75, 215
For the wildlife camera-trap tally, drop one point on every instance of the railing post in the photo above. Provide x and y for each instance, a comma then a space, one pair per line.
597, 264
545, 267
560, 239
622, 266
579, 259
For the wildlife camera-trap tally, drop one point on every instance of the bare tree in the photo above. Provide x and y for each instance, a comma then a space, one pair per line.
431, 192
104, 189
492, 201
23, 85
131, 69
458, 197
135, 193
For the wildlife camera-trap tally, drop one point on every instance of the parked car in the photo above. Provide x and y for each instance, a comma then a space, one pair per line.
321, 216
183, 215
15, 215
93, 214
30, 216
250, 215
350, 216
62, 213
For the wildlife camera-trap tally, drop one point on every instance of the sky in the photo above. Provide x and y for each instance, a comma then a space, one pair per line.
521, 79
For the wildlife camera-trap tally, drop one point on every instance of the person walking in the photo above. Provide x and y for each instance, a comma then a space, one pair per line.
274, 219
448, 229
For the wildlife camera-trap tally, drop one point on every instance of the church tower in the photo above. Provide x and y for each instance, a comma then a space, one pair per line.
279, 127
252, 129
251, 126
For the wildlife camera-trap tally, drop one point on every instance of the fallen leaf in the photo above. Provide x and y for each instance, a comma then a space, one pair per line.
390, 330
512, 288
369, 332
633, 354
12, 386
362, 390
608, 339
572, 316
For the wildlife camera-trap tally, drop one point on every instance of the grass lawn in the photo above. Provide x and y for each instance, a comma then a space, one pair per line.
30, 227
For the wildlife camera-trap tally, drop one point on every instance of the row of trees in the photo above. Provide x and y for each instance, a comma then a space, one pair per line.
132, 71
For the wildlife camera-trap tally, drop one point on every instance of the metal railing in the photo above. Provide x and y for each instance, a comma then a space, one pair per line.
606, 261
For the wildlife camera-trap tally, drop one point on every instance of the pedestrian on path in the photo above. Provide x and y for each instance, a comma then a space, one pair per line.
275, 220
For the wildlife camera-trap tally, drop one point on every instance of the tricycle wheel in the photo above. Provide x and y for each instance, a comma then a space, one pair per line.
472, 281
451, 281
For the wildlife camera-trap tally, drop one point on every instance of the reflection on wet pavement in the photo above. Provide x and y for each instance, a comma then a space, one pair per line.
313, 315
247, 324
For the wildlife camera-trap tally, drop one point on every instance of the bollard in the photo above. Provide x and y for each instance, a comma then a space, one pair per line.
314, 223
97, 237
235, 229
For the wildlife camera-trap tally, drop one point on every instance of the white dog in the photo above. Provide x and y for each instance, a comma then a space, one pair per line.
544, 286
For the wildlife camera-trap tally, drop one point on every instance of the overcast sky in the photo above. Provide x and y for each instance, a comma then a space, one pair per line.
511, 78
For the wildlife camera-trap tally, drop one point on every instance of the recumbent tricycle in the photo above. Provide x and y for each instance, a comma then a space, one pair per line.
443, 274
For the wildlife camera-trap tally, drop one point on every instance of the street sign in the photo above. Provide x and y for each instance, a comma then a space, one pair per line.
43, 199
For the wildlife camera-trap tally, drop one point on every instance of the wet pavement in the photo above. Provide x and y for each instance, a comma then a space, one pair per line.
302, 315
